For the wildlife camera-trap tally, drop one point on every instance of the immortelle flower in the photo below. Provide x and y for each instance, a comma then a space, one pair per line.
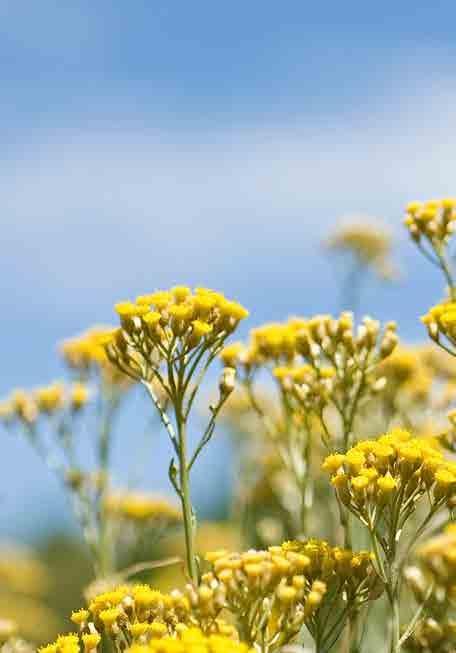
440, 322
432, 220
85, 354
56, 401
142, 509
430, 225
139, 614
383, 482
275, 592
170, 338
318, 361
153, 638
320, 365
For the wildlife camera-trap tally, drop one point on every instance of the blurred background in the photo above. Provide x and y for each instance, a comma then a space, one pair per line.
216, 144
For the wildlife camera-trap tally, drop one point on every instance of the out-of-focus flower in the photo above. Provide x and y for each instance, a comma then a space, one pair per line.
369, 242
86, 354
142, 508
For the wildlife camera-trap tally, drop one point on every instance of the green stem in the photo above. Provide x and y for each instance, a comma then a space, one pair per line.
447, 273
395, 619
187, 510
105, 553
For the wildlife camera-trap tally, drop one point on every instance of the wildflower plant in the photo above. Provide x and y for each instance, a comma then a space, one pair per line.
431, 225
323, 368
52, 419
274, 593
308, 388
383, 483
151, 638
169, 339
269, 596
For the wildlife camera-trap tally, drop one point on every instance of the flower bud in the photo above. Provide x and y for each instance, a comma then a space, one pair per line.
227, 381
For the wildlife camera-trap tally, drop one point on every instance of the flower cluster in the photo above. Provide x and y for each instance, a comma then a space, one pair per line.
150, 638
274, 592
170, 338
85, 354
382, 480
441, 321
432, 220
142, 508
319, 361
170, 324
136, 615
368, 242
25, 407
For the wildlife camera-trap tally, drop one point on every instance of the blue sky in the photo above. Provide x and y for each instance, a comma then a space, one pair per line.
145, 144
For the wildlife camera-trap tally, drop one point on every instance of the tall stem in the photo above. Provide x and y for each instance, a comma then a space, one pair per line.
187, 510
447, 273
393, 600
105, 561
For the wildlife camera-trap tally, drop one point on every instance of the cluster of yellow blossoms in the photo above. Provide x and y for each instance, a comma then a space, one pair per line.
86, 354
142, 508
174, 323
274, 592
271, 594
319, 361
432, 220
57, 398
322, 341
441, 321
136, 615
186, 640
383, 479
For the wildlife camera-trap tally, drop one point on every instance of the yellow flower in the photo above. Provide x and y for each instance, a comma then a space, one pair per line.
79, 395
90, 641
142, 508
369, 242
179, 319
50, 398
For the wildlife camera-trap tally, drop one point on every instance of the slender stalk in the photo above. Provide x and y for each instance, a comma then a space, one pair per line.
187, 510
105, 553
395, 620
447, 274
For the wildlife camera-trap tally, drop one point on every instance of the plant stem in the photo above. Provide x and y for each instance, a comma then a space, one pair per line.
395, 619
447, 273
187, 510
108, 410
